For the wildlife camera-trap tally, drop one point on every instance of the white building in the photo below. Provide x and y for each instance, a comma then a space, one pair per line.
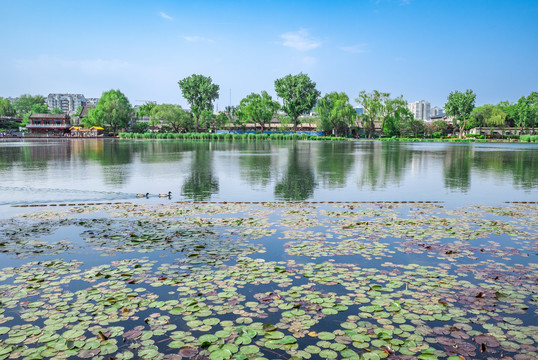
92, 102
420, 109
436, 112
68, 103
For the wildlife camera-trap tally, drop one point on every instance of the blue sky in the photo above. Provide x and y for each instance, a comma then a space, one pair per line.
418, 49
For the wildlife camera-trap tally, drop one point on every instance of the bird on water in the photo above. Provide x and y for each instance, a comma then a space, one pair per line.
142, 195
165, 195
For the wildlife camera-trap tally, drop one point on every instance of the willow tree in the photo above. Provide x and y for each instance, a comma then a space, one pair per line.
200, 92
335, 110
374, 109
460, 105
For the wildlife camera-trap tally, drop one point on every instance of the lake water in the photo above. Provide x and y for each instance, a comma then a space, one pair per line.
270, 250
59, 170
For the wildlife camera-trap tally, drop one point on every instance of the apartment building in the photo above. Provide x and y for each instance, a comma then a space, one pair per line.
420, 109
68, 103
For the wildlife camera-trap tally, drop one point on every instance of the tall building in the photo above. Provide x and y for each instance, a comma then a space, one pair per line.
437, 112
420, 109
68, 103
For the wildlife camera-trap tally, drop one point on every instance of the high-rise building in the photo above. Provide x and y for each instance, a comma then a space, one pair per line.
437, 112
420, 109
68, 103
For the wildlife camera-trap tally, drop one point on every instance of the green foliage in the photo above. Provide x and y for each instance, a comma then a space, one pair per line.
460, 105
139, 128
228, 136
487, 115
374, 109
24, 103
200, 92
6, 109
113, 111
145, 110
173, 116
299, 95
40, 109
56, 111
258, 109
336, 114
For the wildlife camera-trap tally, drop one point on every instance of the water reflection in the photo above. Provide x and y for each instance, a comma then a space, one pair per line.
66, 170
201, 183
457, 167
298, 182
384, 163
335, 161
257, 164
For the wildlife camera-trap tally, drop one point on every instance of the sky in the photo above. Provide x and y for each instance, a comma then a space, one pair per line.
422, 50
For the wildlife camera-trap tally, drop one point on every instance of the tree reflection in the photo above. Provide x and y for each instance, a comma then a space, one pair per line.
256, 164
457, 167
298, 183
521, 165
383, 163
201, 183
335, 160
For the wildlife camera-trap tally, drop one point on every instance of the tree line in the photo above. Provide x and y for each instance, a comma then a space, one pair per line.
333, 111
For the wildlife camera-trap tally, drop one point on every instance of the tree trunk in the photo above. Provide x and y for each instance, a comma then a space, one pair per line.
195, 124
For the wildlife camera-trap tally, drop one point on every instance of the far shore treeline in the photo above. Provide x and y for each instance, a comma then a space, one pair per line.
382, 115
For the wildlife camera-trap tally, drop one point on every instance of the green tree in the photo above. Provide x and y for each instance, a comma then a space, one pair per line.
209, 120
440, 128
200, 92
6, 109
335, 112
374, 109
40, 109
23, 104
145, 110
397, 117
460, 105
299, 95
139, 127
56, 110
113, 111
173, 116
258, 109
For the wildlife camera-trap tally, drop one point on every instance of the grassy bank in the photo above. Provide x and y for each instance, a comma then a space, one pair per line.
522, 138
241, 137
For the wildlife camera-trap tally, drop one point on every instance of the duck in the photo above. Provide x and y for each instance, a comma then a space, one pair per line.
165, 195
142, 195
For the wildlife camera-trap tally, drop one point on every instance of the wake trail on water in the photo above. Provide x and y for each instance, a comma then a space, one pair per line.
12, 195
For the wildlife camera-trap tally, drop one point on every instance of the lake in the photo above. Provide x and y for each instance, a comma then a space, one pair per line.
59, 170
270, 250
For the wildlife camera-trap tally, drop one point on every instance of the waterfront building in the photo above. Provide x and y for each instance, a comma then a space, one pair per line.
420, 110
68, 103
48, 124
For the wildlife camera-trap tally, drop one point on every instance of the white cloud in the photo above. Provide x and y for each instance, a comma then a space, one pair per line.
166, 16
299, 40
196, 39
354, 49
